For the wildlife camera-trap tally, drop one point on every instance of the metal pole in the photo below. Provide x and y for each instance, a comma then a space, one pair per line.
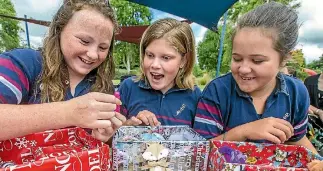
27, 32
221, 43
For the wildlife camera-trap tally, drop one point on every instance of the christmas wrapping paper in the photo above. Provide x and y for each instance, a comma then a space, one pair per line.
161, 148
70, 149
238, 156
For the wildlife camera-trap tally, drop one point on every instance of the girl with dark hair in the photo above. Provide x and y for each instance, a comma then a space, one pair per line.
256, 102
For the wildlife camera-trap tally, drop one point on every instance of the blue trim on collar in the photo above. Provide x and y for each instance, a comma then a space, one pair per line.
145, 85
142, 83
281, 88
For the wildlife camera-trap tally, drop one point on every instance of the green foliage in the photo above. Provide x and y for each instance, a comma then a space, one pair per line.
9, 28
121, 72
126, 51
129, 14
243, 6
297, 63
197, 72
298, 57
208, 48
316, 65
202, 81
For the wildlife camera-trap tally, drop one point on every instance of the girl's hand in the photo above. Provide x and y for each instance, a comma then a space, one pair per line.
133, 121
271, 129
103, 134
315, 165
94, 110
148, 118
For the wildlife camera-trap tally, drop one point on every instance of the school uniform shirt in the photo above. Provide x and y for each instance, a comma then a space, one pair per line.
224, 106
175, 107
19, 71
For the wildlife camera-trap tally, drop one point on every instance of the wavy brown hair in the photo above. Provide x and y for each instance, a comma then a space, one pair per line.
180, 36
54, 72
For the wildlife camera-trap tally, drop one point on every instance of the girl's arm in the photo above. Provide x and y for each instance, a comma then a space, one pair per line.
93, 110
19, 120
304, 142
301, 120
271, 129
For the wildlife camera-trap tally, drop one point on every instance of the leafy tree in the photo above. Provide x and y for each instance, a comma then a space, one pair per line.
243, 6
298, 57
316, 64
297, 64
209, 47
208, 50
9, 29
129, 14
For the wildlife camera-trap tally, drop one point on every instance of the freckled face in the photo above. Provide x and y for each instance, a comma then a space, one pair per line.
85, 42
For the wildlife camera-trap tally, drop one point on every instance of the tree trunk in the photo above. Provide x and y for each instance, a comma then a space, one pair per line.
128, 63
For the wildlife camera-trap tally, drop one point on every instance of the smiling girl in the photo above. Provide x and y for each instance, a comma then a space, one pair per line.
68, 83
256, 102
164, 93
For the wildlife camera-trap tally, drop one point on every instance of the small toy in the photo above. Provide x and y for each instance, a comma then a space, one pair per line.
156, 155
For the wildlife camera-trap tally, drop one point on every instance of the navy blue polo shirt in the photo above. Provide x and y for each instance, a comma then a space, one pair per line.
19, 71
223, 106
175, 107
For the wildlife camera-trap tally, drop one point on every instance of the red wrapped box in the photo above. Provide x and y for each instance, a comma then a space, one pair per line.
247, 156
64, 149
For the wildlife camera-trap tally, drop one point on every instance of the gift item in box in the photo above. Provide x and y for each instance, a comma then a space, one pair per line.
63, 149
249, 156
160, 148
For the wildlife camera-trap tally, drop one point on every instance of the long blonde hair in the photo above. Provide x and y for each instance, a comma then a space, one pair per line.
54, 72
180, 36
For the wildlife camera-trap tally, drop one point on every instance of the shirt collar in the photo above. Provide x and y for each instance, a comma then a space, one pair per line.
145, 85
280, 87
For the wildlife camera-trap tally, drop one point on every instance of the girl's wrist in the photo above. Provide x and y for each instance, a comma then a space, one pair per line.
319, 112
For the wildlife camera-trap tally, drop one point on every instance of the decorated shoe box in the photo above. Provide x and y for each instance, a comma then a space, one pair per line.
160, 148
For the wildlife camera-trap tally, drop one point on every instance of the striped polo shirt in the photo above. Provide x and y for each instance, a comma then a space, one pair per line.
175, 107
223, 106
19, 71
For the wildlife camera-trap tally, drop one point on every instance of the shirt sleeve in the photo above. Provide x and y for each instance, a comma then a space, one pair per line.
18, 69
301, 115
208, 119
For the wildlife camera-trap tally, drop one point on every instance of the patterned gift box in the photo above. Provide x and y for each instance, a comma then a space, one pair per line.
160, 148
64, 149
238, 156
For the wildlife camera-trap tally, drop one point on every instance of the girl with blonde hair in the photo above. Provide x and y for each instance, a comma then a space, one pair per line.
164, 93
